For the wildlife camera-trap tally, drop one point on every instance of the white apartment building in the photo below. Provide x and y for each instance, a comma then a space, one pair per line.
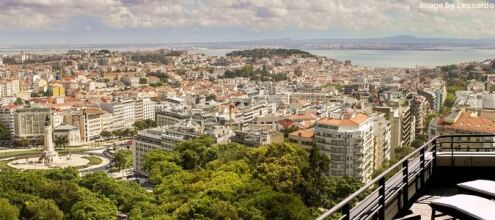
9, 88
247, 111
107, 121
144, 109
7, 117
348, 142
123, 112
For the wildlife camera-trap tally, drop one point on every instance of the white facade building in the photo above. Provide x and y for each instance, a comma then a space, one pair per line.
348, 143
123, 112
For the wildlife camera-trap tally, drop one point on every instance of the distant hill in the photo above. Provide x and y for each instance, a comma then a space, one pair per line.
397, 42
269, 52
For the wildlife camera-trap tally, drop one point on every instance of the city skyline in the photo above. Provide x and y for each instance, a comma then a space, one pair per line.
145, 21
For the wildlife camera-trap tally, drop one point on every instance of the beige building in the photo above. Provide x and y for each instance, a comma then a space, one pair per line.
460, 122
29, 123
303, 137
381, 139
144, 109
402, 123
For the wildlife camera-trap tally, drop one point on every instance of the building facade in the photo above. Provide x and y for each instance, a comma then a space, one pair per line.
348, 142
29, 124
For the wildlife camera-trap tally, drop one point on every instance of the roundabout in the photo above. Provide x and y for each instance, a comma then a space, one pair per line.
78, 161
51, 159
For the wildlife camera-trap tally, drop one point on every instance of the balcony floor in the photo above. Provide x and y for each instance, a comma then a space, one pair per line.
445, 184
421, 205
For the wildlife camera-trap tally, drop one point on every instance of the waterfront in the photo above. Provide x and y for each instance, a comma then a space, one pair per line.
370, 58
393, 58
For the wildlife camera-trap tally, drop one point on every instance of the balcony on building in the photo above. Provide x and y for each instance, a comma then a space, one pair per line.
405, 190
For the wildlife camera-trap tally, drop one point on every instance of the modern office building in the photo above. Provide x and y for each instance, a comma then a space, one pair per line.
29, 124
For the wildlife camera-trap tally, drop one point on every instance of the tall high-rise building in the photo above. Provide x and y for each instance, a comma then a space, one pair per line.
347, 140
381, 139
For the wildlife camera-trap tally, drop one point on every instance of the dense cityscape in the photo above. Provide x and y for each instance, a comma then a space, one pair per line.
256, 134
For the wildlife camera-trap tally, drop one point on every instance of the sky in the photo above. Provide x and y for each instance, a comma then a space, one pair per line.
183, 21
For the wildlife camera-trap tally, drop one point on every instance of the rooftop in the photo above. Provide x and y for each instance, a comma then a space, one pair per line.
468, 122
307, 133
357, 120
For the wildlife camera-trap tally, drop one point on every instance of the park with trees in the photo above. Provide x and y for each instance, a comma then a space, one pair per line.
198, 180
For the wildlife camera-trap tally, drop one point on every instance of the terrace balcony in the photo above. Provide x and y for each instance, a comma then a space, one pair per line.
405, 190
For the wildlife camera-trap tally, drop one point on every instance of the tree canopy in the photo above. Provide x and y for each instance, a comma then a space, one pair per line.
255, 74
123, 159
268, 52
198, 180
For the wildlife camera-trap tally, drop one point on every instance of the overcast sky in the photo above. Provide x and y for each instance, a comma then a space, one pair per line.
170, 21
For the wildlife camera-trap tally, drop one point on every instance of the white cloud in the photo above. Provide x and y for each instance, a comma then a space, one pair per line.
353, 15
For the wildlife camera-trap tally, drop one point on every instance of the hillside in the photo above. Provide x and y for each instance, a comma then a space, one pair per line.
267, 52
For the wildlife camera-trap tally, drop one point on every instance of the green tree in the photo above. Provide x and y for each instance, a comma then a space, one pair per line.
19, 101
122, 194
106, 134
274, 205
4, 132
118, 133
67, 174
145, 124
64, 193
123, 159
61, 141
43, 209
93, 207
7, 210
279, 165
196, 153
143, 80
312, 187
416, 143
334, 189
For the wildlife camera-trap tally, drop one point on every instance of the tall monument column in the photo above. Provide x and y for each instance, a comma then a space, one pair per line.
49, 153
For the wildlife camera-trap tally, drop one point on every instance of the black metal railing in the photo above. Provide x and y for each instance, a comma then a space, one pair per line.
390, 194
